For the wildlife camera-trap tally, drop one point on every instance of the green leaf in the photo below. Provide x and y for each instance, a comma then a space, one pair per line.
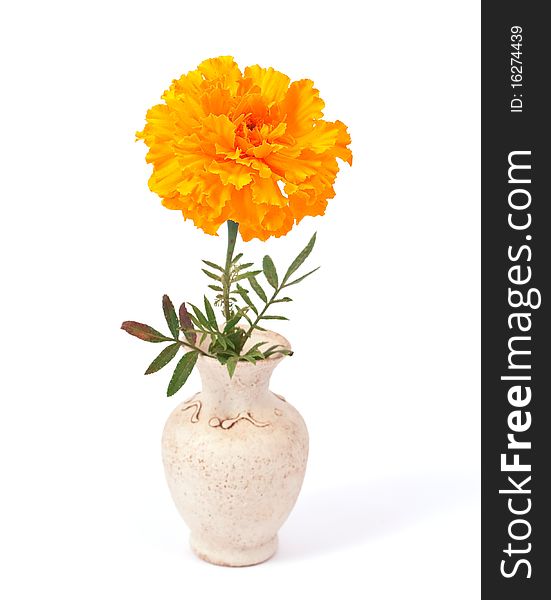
255, 347
245, 295
278, 349
231, 364
210, 314
220, 341
232, 237
244, 266
241, 290
270, 271
201, 319
246, 317
300, 278
212, 275
258, 289
216, 288
163, 359
233, 322
272, 348
196, 322
275, 317
247, 275
236, 258
213, 265
170, 316
144, 332
181, 372
300, 258
284, 351
237, 337
286, 299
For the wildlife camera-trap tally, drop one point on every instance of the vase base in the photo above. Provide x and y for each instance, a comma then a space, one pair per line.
232, 557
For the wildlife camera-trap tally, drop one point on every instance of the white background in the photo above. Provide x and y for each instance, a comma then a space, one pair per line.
386, 334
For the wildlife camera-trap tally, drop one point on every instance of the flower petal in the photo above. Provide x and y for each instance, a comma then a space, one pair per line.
273, 84
165, 178
223, 70
231, 173
267, 191
302, 105
322, 137
219, 131
278, 221
294, 169
343, 139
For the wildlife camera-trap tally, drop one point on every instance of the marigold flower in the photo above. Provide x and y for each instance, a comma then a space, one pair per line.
249, 147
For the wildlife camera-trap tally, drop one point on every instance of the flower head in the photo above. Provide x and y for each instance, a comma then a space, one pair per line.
249, 147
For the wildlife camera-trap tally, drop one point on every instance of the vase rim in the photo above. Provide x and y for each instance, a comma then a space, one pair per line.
271, 337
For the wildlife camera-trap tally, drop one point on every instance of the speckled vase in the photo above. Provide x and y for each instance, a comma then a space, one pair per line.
235, 456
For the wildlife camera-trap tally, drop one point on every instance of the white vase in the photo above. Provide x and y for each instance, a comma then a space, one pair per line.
235, 456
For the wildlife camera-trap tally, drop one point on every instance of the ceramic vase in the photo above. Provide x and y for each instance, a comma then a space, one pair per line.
235, 456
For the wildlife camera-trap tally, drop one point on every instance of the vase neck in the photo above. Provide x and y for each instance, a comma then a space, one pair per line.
240, 393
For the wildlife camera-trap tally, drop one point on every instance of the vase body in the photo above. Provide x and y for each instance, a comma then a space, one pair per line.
235, 456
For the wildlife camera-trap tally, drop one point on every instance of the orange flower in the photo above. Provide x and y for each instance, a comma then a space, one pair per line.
251, 148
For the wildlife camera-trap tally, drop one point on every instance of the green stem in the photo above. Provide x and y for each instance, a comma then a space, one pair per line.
226, 279
261, 314
193, 347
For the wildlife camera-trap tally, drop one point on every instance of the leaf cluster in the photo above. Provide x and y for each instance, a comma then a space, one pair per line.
245, 302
